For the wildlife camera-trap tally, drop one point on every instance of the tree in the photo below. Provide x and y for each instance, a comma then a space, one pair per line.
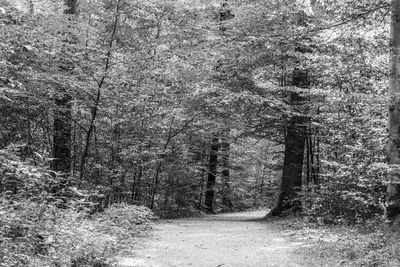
63, 114
393, 188
295, 137
226, 191
212, 175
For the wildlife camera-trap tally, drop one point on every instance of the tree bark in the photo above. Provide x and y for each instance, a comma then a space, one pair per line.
225, 176
62, 118
201, 187
72, 7
62, 132
212, 174
295, 139
393, 188
155, 185
138, 181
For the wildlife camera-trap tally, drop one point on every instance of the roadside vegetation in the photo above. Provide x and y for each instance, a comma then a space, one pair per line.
41, 226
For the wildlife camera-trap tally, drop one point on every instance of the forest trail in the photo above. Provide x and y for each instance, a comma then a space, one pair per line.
224, 240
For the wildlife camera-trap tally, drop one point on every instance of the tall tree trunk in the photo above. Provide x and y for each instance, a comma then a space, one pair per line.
316, 152
295, 139
225, 176
309, 160
62, 117
393, 188
212, 174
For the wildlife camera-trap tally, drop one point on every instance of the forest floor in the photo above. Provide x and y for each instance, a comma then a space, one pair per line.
235, 239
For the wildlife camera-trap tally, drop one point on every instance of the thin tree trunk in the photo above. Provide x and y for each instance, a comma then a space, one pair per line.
262, 179
171, 135
138, 189
212, 174
133, 188
309, 160
201, 188
100, 85
317, 152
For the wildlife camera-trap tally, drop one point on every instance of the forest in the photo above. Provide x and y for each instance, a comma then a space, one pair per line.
116, 112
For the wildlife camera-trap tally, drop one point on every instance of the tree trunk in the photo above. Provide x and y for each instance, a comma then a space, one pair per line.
309, 160
295, 139
224, 14
62, 132
62, 118
212, 173
393, 189
225, 177
138, 189
201, 186
72, 7
155, 185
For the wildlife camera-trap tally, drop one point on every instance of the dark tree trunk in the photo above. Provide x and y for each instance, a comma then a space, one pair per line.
155, 185
312, 157
62, 132
225, 176
393, 146
201, 186
212, 173
318, 162
62, 117
295, 139
309, 160
72, 7
224, 14
138, 181
316, 153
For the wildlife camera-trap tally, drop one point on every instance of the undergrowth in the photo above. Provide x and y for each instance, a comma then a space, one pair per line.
41, 227
371, 243
54, 237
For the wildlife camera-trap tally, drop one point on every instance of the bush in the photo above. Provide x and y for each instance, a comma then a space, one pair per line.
48, 236
348, 197
36, 231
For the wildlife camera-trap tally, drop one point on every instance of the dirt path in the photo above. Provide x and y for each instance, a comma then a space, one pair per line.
217, 241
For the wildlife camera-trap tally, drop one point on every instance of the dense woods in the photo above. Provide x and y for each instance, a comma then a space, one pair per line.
118, 107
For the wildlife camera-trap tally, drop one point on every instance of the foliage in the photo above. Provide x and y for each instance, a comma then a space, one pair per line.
343, 47
153, 82
36, 231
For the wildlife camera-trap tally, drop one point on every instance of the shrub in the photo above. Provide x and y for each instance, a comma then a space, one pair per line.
36, 231
348, 197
